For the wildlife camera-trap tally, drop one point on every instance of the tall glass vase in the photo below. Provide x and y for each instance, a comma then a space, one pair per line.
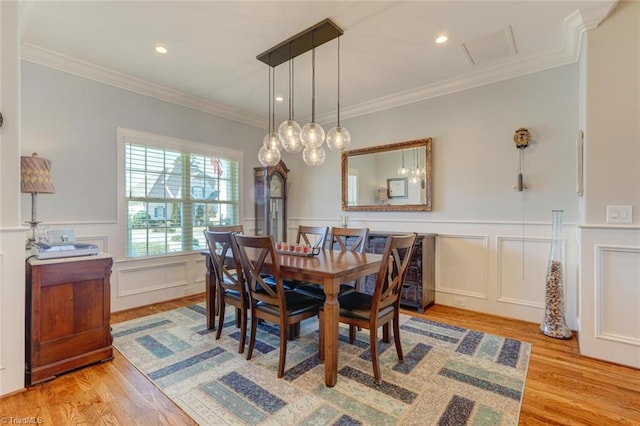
554, 324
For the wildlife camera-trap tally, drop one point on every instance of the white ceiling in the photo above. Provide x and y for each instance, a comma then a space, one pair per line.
388, 54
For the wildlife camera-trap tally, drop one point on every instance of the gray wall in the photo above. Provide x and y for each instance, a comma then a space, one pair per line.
474, 157
72, 121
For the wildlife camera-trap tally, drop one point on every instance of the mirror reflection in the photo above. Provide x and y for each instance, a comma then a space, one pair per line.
395, 177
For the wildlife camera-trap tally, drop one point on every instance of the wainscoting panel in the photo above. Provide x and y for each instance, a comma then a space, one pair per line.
610, 293
100, 240
461, 265
522, 268
615, 293
12, 311
145, 278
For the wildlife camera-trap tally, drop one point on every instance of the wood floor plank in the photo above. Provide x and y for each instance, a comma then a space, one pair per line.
563, 388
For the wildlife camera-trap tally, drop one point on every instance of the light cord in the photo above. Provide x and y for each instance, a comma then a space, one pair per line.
338, 81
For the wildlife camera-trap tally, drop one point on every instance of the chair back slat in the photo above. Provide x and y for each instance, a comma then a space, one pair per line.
226, 228
319, 233
339, 236
219, 244
393, 270
254, 271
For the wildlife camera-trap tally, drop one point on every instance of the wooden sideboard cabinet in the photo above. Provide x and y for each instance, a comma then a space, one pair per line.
419, 290
67, 315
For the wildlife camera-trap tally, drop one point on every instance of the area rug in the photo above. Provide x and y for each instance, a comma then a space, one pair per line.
451, 375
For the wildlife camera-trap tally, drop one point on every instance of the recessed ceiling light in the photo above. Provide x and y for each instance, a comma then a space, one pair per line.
161, 49
441, 39
279, 98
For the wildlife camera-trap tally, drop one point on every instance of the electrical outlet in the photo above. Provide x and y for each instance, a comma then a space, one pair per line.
459, 301
619, 214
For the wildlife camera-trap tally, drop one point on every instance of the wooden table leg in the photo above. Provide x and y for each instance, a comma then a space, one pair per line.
210, 296
331, 313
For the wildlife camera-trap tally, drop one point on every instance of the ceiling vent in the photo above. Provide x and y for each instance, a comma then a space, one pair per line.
490, 47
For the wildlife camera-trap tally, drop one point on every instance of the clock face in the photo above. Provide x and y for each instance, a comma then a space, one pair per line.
275, 187
521, 138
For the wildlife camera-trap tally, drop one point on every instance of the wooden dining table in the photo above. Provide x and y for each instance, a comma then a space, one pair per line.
329, 268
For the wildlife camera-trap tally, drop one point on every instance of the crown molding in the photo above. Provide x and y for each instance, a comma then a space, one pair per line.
581, 21
479, 78
574, 28
60, 62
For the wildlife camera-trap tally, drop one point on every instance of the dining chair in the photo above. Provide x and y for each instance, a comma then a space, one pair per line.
221, 228
378, 310
273, 304
230, 284
342, 239
316, 237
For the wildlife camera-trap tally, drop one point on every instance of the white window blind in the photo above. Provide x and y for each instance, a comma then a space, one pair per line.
172, 194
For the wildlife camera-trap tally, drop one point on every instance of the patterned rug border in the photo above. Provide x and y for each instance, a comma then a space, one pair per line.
459, 376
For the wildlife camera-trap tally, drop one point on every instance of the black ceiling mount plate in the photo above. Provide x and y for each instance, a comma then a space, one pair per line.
322, 32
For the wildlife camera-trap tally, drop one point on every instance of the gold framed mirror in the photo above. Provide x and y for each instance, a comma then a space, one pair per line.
394, 177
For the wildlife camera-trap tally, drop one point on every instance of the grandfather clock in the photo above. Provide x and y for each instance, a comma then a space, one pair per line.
271, 201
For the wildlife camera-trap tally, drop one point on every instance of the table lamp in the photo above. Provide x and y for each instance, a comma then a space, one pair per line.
383, 196
35, 178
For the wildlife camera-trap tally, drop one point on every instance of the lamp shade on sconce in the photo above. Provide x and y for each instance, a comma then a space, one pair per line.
383, 195
35, 175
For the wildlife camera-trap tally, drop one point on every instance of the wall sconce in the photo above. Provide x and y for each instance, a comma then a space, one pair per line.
35, 178
382, 196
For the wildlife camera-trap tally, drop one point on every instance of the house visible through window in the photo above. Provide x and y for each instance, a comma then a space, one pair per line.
174, 190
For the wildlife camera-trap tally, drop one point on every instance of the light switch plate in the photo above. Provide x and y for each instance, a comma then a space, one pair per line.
619, 214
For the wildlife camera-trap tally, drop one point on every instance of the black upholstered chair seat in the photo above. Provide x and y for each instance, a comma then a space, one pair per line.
296, 304
316, 290
233, 293
288, 284
355, 304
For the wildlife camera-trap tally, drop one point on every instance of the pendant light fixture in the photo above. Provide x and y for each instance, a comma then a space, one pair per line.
415, 172
289, 130
312, 135
338, 137
269, 153
402, 170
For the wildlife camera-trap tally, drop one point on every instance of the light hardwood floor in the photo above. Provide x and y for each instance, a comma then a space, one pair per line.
562, 387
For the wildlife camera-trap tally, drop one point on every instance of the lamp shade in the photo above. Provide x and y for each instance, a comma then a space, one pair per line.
35, 175
383, 194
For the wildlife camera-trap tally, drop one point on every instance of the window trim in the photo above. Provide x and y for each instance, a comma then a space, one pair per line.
124, 136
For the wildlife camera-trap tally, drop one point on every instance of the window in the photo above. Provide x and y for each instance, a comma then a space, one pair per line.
173, 190
352, 185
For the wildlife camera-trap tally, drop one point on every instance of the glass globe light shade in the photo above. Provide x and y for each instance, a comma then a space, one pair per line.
338, 138
292, 144
415, 172
272, 141
403, 171
314, 156
423, 171
414, 179
289, 134
312, 135
268, 157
